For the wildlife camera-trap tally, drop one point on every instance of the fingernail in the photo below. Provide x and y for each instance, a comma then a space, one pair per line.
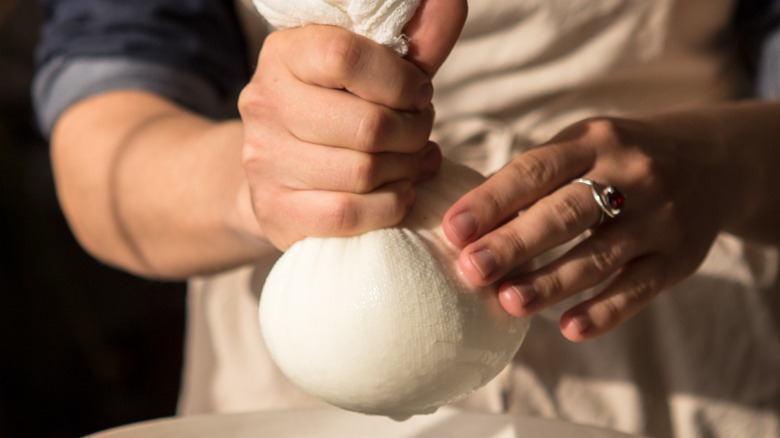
424, 96
581, 322
464, 225
431, 162
527, 293
484, 261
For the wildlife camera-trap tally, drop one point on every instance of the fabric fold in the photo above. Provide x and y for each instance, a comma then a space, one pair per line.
380, 20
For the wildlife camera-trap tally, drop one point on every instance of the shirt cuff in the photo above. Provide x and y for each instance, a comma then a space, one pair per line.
64, 81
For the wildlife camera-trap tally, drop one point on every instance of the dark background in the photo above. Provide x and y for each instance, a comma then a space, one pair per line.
83, 347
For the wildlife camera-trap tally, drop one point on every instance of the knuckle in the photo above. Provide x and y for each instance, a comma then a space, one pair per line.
365, 173
252, 151
256, 103
273, 40
611, 130
248, 155
551, 285
373, 128
604, 258
646, 167
260, 89
568, 214
604, 128
640, 290
425, 120
398, 89
515, 243
508, 246
631, 298
535, 171
274, 44
257, 150
247, 98
343, 217
494, 203
613, 309
429, 116
342, 56
404, 87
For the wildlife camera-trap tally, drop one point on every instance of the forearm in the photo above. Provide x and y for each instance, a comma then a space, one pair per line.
154, 189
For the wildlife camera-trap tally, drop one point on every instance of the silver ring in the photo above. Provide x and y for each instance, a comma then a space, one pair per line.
609, 199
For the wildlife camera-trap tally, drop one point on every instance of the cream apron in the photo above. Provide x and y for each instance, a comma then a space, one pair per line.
702, 360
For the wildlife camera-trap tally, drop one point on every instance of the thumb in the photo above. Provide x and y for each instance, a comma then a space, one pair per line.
432, 32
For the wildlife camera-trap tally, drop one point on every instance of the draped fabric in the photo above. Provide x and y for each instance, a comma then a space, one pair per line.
701, 360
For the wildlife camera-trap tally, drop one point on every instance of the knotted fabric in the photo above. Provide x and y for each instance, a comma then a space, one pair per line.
379, 20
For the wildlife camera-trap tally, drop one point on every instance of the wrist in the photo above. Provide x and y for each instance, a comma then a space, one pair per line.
237, 215
736, 156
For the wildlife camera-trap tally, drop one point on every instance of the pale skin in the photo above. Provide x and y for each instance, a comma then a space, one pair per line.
333, 136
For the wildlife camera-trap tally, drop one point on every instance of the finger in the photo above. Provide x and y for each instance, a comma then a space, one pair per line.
313, 167
637, 285
588, 264
516, 186
335, 214
357, 124
554, 220
433, 32
334, 58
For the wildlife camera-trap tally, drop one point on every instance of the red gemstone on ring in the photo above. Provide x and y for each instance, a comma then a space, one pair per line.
615, 199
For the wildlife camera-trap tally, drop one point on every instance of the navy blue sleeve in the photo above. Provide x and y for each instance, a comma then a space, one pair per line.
191, 51
199, 36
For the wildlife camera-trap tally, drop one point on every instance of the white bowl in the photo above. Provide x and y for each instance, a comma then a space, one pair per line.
335, 423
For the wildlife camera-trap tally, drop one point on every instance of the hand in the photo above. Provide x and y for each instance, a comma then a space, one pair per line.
337, 127
671, 175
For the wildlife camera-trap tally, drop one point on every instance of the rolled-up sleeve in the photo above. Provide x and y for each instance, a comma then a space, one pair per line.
190, 51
